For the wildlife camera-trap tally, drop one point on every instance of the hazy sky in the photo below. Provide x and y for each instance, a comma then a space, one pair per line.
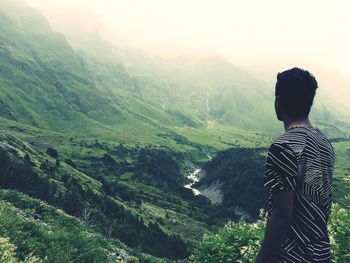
271, 32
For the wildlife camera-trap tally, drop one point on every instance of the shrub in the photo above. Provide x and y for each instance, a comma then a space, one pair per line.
8, 253
240, 242
70, 162
52, 152
339, 233
235, 242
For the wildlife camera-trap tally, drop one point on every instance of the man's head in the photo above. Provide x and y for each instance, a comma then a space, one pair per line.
295, 91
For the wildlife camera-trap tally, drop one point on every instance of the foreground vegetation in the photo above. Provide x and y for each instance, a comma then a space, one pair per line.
240, 241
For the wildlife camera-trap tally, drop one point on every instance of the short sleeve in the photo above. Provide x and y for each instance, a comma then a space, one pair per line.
281, 171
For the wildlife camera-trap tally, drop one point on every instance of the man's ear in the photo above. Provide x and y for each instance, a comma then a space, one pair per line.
278, 108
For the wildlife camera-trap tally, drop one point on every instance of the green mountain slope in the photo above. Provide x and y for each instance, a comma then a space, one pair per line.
44, 83
47, 84
114, 210
37, 228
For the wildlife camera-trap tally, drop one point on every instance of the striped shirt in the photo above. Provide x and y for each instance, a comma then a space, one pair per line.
302, 160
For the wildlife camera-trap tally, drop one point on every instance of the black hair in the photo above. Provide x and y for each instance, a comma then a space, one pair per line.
296, 89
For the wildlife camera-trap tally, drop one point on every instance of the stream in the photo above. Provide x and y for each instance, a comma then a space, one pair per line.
212, 191
193, 177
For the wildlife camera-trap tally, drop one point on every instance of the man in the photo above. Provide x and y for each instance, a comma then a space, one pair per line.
299, 170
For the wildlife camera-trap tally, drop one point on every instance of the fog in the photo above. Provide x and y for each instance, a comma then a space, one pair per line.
274, 33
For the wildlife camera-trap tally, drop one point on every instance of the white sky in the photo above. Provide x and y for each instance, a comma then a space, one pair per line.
271, 32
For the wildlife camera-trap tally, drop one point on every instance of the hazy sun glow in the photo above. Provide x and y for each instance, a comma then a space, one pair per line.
274, 32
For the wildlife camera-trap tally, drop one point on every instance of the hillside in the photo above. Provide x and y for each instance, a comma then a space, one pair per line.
50, 233
28, 170
69, 87
239, 184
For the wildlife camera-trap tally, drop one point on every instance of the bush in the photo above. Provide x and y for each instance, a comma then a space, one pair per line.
339, 232
236, 242
52, 152
70, 162
8, 253
240, 242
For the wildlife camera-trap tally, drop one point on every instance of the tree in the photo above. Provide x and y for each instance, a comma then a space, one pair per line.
52, 152
70, 162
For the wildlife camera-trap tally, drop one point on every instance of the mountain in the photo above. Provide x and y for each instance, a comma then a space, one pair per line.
67, 87
47, 85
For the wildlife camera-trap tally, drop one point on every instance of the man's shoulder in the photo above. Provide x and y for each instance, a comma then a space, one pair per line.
300, 138
294, 135
294, 139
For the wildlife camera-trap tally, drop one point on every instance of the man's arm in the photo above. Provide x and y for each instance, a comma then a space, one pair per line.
278, 224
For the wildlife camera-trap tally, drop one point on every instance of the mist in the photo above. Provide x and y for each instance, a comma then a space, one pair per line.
270, 33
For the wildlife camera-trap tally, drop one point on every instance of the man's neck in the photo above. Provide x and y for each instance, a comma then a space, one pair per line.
289, 123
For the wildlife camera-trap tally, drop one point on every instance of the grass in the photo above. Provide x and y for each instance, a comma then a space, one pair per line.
342, 169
